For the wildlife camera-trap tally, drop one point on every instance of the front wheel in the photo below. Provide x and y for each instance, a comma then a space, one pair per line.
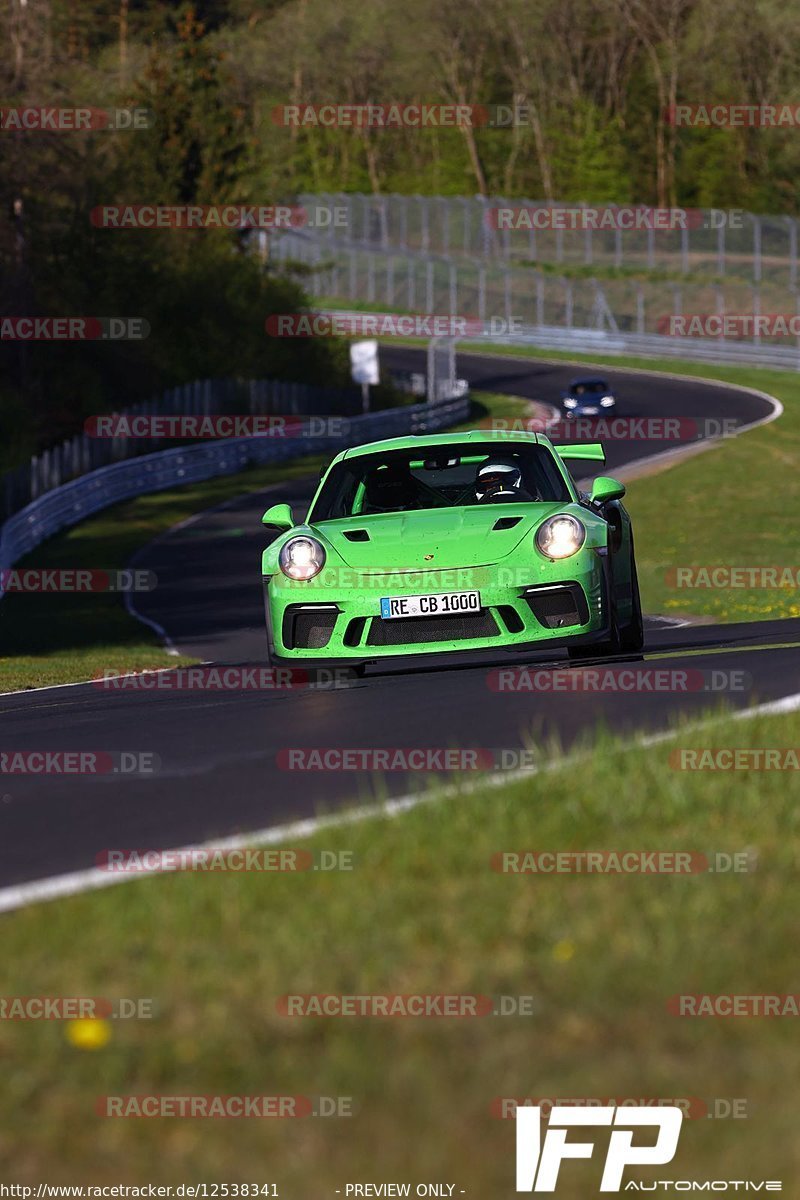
626, 640
631, 638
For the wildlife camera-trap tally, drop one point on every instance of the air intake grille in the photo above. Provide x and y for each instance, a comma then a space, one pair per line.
308, 628
558, 607
418, 630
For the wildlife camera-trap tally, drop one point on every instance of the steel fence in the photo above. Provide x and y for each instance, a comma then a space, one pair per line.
718, 242
505, 298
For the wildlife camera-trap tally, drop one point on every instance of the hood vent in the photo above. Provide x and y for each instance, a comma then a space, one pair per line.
506, 523
356, 535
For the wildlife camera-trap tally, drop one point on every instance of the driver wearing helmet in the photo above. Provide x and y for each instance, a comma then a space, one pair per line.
499, 481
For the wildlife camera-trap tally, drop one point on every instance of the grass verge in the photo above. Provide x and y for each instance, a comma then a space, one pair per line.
423, 912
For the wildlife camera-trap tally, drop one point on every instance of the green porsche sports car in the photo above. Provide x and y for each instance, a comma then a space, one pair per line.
448, 543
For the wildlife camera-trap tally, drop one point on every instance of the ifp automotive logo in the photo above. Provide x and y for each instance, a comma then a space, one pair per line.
538, 1162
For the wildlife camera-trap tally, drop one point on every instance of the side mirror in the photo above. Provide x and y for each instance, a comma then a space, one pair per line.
605, 489
279, 515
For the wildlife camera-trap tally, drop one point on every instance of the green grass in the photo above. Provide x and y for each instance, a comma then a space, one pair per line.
423, 912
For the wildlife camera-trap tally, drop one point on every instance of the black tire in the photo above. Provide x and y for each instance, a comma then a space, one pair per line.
631, 638
608, 648
628, 640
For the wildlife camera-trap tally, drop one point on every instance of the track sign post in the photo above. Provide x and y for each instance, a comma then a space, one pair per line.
364, 367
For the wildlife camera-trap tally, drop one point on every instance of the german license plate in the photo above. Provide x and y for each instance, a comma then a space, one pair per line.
437, 604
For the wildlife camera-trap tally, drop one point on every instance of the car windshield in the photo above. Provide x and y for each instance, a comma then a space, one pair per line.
439, 477
589, 386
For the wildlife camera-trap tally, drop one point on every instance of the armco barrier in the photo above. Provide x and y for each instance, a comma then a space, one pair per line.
609, 343
65, 506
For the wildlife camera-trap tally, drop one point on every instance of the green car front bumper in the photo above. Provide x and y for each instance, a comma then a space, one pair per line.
539, 604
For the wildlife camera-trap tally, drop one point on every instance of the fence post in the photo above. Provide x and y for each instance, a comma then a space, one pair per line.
756, 249
756, 313
465, 205
403, 221
792, 222
685, 250
390, 279
445, 224
353, 281
424, 223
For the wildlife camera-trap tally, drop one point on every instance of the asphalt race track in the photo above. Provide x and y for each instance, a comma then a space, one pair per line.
217, 751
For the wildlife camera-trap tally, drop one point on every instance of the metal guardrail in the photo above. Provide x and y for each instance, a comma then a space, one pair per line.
203, 397
614, 342
589, 341
65, 506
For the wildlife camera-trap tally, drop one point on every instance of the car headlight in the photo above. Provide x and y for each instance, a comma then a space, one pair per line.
570, 403
302, 558
561, 536
608, 402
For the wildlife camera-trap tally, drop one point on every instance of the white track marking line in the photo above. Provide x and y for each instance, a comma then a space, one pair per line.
76, 882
